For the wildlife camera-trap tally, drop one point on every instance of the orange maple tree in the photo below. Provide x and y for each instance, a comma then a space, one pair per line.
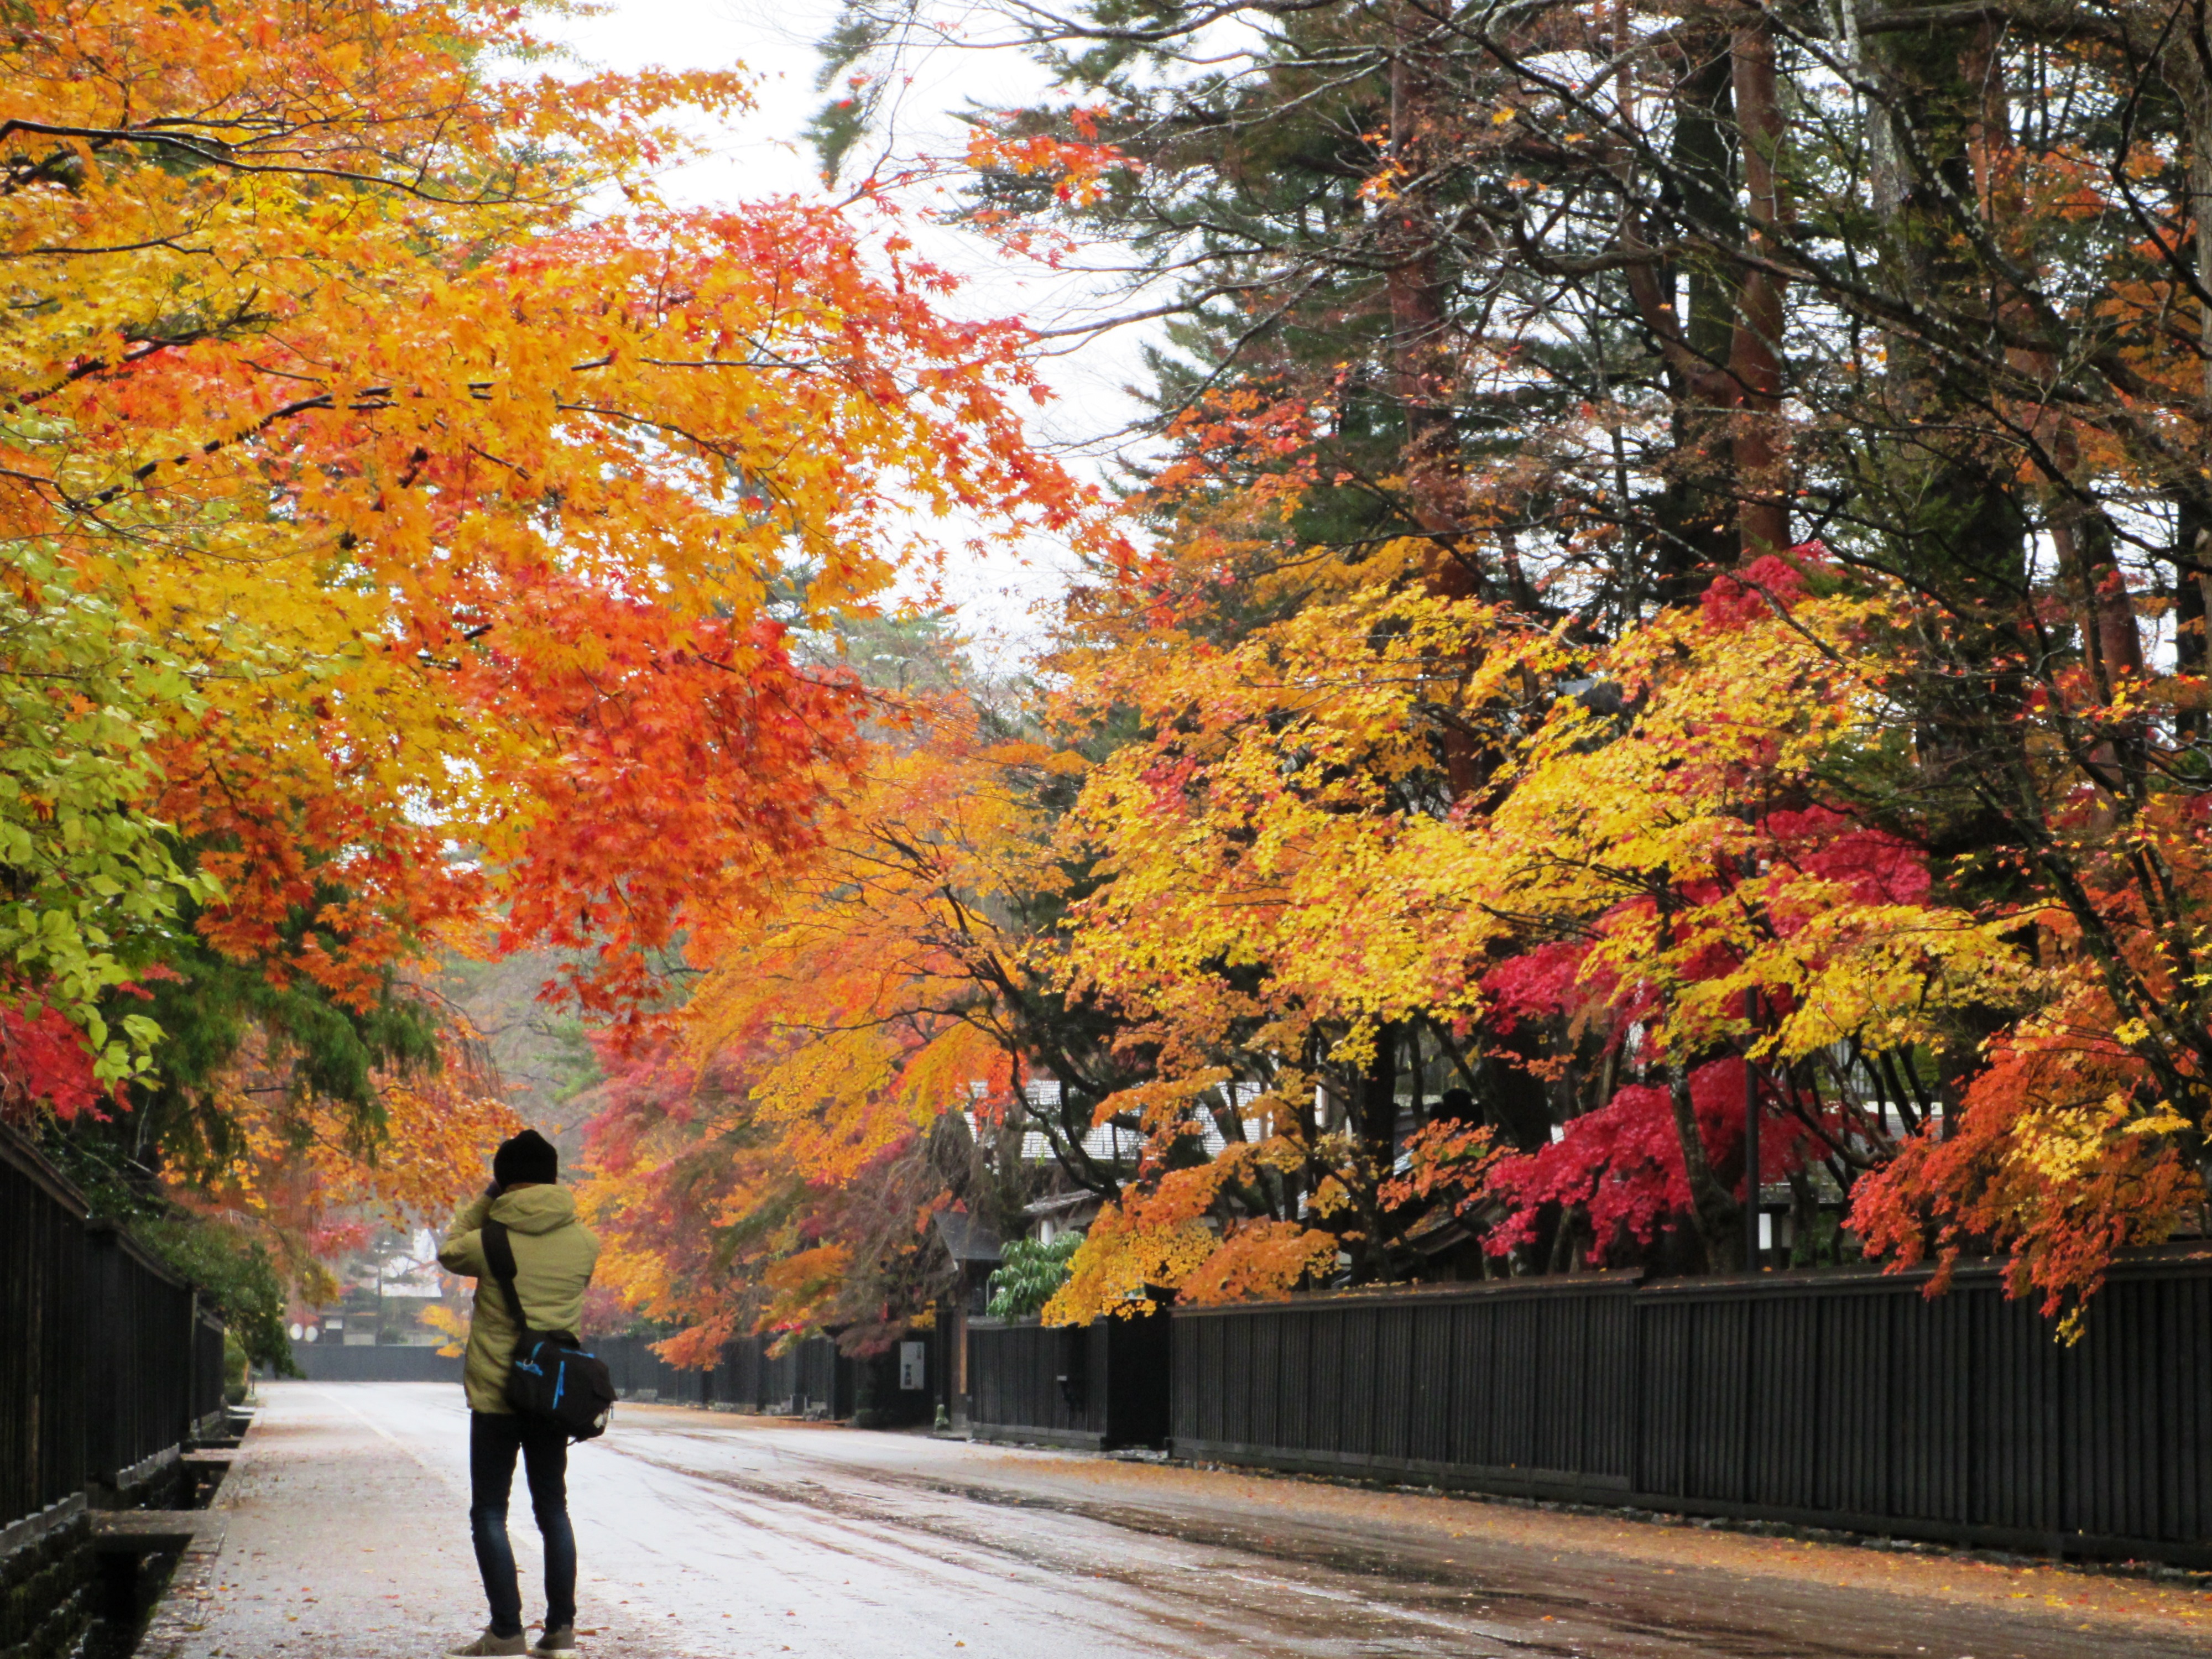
775, 1161
418, 544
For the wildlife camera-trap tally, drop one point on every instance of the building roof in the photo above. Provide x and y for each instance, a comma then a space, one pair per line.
965, 1237
1059, 1204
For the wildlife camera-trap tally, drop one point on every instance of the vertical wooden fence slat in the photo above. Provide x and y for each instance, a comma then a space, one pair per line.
1428, 1437
1296, 1387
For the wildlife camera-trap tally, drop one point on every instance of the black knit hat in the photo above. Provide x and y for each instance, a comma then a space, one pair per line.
528, 1157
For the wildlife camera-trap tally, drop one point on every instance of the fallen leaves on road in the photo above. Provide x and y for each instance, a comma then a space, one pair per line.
1960, 1579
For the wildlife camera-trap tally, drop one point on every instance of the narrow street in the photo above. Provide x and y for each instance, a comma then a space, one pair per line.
344, 1536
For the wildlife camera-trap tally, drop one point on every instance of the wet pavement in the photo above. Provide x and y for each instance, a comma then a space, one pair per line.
345, 1536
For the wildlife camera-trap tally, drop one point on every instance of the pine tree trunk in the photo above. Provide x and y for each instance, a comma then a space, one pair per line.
1755, 353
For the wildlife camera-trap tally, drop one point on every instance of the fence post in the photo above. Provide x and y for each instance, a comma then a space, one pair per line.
101, 1357
1753, 1260
182, 1400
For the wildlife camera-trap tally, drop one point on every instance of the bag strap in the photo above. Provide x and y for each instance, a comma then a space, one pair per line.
500, 1255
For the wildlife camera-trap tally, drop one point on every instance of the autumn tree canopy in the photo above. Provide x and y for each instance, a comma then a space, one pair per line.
404, 550
1673, 598
1663, 595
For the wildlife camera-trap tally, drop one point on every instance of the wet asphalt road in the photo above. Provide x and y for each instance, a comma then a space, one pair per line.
710, 1535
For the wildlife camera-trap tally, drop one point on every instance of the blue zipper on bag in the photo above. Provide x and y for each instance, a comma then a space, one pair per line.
560, 1381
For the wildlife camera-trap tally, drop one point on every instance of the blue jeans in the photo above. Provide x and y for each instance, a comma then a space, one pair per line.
492, 1442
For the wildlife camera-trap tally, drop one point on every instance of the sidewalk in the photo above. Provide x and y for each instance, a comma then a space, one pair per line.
337, 1541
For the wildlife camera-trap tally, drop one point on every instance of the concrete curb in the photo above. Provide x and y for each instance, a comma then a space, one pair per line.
179, 1613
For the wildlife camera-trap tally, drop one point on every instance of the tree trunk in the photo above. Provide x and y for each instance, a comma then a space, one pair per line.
2189, 656
1378, 1098
1716, 1217
1755, 353
1696, 518
1422, 370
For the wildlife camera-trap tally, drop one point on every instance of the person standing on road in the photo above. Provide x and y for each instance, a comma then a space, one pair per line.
554, 1255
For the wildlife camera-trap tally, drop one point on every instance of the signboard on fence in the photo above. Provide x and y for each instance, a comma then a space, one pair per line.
914, 1364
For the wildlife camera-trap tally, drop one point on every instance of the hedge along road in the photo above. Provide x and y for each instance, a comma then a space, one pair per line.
345, 1536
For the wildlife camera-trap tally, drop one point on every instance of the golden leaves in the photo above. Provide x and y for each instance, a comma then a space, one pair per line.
452, 510
431, 480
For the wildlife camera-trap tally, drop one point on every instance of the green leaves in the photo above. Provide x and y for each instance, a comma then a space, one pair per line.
89, 879
1033, 1269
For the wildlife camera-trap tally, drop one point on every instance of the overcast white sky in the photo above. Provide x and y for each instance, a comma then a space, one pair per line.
764, 154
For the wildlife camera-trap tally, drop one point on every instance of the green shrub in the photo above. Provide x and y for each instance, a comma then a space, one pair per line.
1029, 1272
236, 1367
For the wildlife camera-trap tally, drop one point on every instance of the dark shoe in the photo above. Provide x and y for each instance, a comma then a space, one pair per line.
561, 1639
488, 1646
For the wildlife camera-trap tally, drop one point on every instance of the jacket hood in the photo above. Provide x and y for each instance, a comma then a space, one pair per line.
535, 1209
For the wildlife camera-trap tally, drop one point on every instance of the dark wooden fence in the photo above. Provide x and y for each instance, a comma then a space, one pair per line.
374, 1362
1096, 1386
1839, 1399
107, 1364
809, 1379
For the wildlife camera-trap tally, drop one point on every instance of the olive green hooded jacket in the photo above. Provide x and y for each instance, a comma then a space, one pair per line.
554, 1255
